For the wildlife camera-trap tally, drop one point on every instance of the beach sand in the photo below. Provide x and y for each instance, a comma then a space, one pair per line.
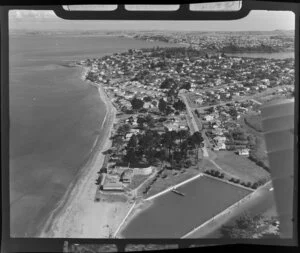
77, 214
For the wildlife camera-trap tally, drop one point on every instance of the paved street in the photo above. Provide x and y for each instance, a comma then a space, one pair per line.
193, 122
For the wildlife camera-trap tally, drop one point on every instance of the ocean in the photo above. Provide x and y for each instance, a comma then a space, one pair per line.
279, 55
54, 120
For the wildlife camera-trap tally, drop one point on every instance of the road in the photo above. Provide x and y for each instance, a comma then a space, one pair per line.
193, 122
190, 115
240, 99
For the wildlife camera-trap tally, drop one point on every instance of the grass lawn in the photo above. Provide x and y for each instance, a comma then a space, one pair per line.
240, 166
137, 180
169, 178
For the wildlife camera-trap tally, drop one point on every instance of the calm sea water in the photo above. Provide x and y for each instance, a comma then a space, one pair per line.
54, 120
281, 55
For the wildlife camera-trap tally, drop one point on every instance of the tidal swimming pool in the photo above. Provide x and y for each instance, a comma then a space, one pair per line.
172, 215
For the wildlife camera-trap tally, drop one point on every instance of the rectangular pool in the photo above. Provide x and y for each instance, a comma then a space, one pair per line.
172, 215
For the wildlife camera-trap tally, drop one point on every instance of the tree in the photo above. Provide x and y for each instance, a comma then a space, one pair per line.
233, 113
182, 135
244, 227
162, 105
168, 110
186, 86
150, 121
197, 139
131, 156
137, 103
123, 129
118, 142
133, 142
147, 99
179, 105
239, 134
140, 121
168, 141
149, 143
183, 146
251, 140
167, 83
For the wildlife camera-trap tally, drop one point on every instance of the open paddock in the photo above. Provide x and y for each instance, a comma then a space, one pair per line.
240, 166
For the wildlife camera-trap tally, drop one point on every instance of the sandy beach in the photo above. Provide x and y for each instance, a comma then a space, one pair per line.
77, 214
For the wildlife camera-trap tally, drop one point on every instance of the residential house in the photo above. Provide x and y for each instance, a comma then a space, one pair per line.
244, 152
126, 176
208, 117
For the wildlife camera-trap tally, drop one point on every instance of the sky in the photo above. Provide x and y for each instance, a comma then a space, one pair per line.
48, 21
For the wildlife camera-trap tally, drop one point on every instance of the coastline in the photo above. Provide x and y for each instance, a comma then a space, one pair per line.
77, 214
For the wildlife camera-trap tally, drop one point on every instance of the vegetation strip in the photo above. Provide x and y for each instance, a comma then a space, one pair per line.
228, 182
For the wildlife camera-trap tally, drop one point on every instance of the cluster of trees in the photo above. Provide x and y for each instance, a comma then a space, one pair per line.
215, 173
238, 134
197, 113
238, 138
167, 83
164, 107
148, 187
179, 105
146, 120
186, 86
258, 162
177, 52
248, 184
137, 104
247, 226
244, 227
154, 148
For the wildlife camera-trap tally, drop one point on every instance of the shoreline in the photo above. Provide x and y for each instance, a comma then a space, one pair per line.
77, 214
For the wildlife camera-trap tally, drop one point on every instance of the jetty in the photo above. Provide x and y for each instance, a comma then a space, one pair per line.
177, 192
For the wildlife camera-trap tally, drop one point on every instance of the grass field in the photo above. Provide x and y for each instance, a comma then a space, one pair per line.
137, 180
240, 166
169, 178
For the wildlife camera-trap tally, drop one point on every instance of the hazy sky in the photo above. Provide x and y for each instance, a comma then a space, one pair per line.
255, 21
